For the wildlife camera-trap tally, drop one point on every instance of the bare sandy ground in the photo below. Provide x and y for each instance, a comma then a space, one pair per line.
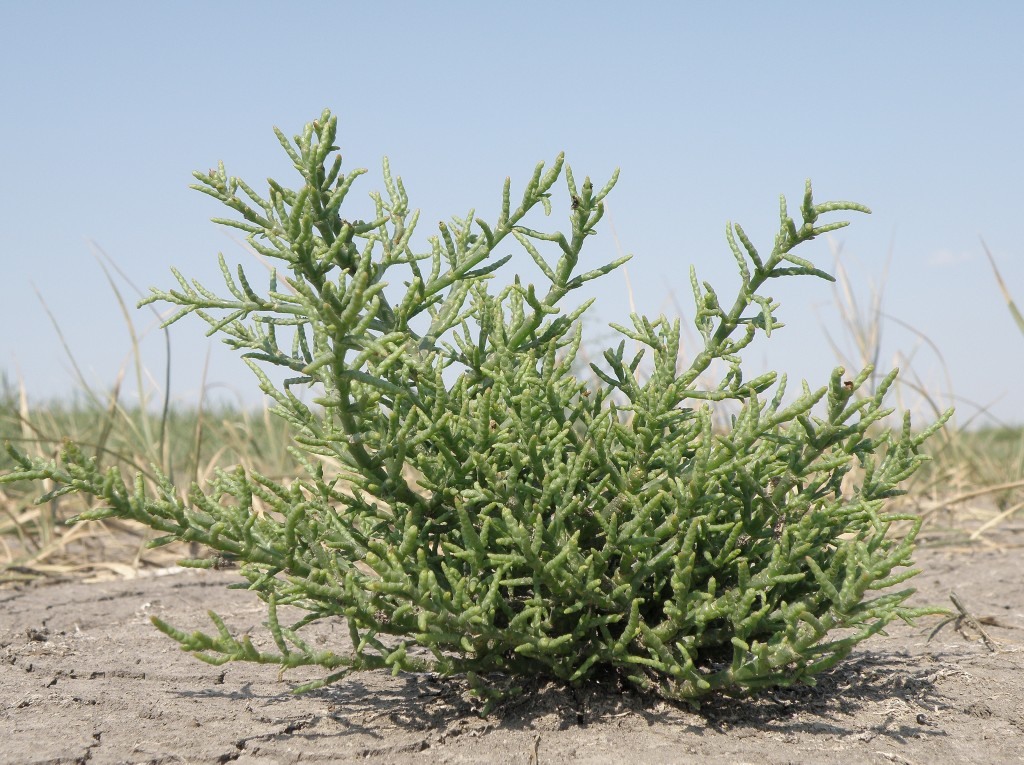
87, 678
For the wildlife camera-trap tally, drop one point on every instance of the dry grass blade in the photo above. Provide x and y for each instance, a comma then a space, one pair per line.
1002, 288
979, 492
864, 326
991, 523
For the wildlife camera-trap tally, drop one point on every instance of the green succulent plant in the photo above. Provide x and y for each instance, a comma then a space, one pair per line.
492, 507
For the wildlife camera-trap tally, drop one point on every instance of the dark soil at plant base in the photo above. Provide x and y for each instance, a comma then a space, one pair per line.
87, 678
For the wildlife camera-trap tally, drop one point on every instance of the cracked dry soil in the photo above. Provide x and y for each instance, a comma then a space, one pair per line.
87, 678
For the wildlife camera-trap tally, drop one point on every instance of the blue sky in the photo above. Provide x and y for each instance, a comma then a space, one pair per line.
711, 110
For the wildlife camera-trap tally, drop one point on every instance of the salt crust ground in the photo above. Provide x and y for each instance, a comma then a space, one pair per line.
86, 678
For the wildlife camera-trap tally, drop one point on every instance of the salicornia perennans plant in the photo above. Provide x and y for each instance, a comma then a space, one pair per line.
493, 508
